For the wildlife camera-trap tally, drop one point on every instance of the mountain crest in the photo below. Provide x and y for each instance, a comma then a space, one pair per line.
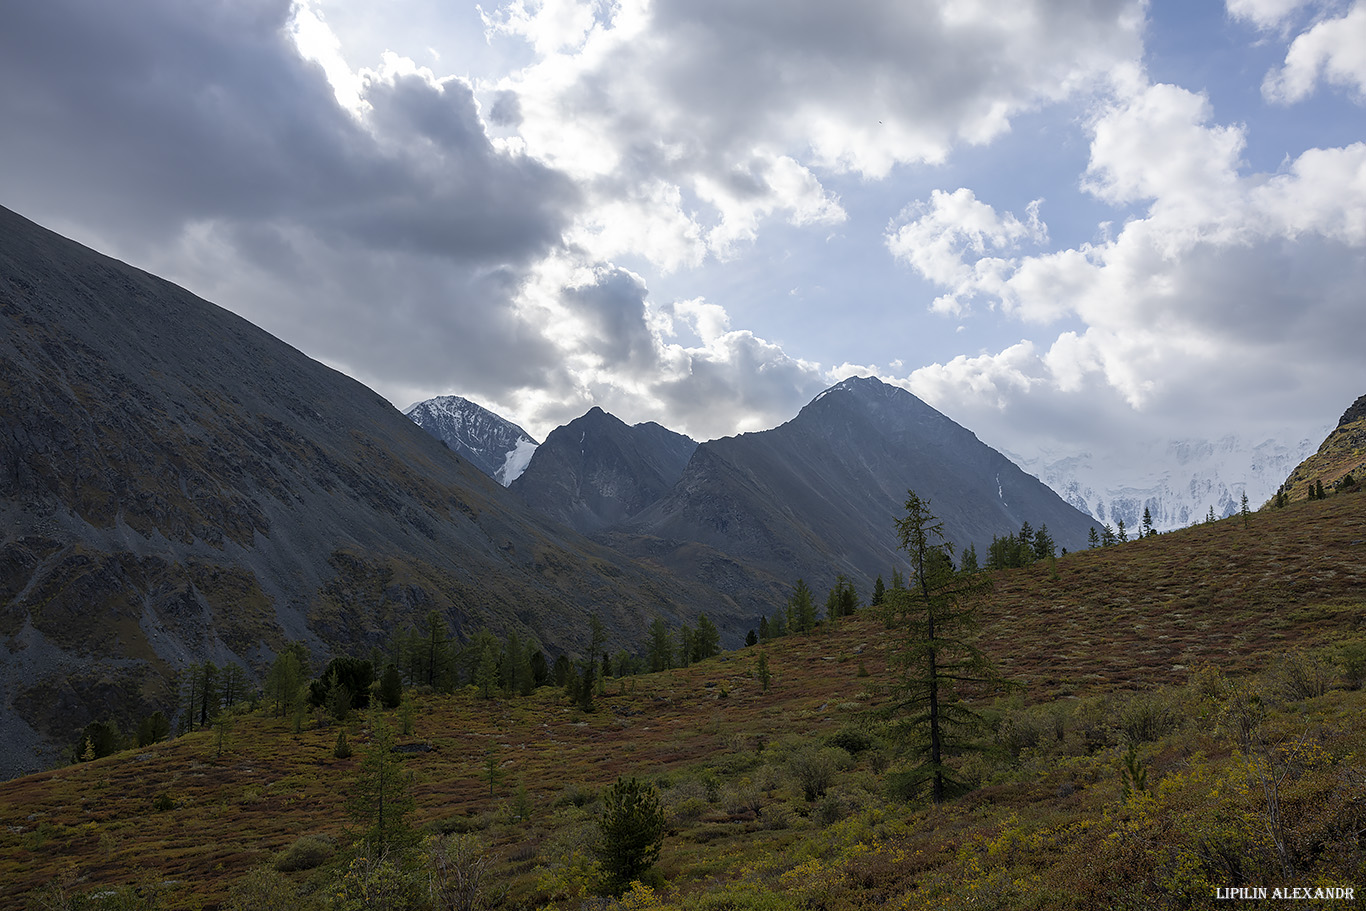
496, 446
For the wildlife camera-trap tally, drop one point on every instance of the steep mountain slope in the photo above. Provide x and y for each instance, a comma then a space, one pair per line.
819, 495
495, 445
1343, 452
178, 485
596, 471
1196, 475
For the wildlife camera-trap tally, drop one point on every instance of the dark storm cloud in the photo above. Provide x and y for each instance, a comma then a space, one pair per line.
196, 140
614, 306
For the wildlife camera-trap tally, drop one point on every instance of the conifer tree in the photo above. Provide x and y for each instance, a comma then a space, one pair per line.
1123, 536
708, 642
632, 825
936, 654
284, 683
880, 590
660, 649
970, 564
391, 687
1147, 529
687, 646
436, 651
801, 610
381, 797
540, 671
1043, 545
1092, 539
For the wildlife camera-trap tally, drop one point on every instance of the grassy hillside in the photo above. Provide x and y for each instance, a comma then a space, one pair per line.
1213, 670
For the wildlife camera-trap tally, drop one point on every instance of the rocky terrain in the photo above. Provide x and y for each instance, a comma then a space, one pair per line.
596, 471
495, 445
177, 485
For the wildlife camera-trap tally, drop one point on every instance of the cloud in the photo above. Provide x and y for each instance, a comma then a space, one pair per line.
389, 236
951, 227
1265, 13
1212, 305
740, 107
1333, 50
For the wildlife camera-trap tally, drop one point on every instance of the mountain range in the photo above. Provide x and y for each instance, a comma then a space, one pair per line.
176, 485
814, 498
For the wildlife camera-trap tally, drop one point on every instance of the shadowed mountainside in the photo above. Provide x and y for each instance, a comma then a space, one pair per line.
819, 495
177, 485
596, 471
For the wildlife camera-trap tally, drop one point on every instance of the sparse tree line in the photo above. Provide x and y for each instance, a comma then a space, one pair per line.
425, 657
1345, 484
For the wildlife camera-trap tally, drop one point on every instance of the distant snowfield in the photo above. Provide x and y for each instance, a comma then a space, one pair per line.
1177, 482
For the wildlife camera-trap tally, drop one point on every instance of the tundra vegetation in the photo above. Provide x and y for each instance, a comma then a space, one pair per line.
1184, 718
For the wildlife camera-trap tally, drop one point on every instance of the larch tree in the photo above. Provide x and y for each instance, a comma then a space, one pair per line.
382, 795
939, 662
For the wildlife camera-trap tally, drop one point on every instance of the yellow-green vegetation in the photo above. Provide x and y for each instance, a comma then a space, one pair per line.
1342, 454
1187, 720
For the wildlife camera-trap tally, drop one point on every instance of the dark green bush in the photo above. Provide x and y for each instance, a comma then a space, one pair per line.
307, 852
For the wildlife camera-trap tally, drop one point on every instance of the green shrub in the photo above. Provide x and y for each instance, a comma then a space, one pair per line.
1351, 660
814, 769
1298, 675
1147, 717
852, 740
307, 852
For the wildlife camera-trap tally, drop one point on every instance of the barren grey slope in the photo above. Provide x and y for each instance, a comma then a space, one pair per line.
819, 495
178, 485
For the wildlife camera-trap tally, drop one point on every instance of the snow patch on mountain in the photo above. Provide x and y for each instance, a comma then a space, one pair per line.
1178, 482
516, 462
495, 445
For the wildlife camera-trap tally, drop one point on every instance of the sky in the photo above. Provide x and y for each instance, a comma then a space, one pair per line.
1070, 225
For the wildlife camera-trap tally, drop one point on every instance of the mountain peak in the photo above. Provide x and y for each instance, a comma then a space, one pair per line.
496, 446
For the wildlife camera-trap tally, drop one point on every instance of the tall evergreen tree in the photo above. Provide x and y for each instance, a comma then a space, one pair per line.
660, 649
1044, 547
436, 652
391, 687
936, 655
1147, 530
381, 797
284, 683
708, 642
540, 670
1092, 539
687, 645
801, 610
970, 564
880, 590
1123, 534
